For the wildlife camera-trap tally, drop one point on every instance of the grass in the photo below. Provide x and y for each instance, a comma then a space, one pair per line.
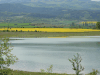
16, 72
47, 22
47, 34
14, 25
20, 72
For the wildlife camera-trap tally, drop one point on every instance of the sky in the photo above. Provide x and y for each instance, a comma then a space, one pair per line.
91, 0
95, 0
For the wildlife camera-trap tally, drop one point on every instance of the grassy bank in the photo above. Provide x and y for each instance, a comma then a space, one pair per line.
16, 72
20, 72
47, 34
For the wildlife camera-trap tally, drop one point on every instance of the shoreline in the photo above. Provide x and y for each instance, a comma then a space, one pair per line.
62, 37
47, 34
51, 73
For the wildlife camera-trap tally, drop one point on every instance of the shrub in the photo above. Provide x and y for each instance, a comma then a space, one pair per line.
76, 64
94, 72
49, 70
13, 31
4, 30
16, 30
8, 30
5, 71
35, 30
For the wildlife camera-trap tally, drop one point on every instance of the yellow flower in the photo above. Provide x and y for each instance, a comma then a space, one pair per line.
50, 29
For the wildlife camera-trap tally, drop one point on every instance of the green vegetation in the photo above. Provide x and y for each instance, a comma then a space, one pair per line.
98, 25
76, 64
15, 14
52, 14
72, 4
61, 24
46, 34
5, 50
17, 72
94, 72
38, 23
49, 70
14, 25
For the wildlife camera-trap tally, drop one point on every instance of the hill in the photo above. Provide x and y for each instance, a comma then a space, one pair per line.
68, 4
11, 10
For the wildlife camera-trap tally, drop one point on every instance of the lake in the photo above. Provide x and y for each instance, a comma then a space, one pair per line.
39, 53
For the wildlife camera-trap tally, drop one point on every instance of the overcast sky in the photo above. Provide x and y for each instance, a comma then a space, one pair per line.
95, 0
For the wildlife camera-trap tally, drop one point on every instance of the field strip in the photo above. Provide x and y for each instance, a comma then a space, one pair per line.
49, 29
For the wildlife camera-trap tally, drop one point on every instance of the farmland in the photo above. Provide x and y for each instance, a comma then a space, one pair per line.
89, 22
44, 30
39, 23
49, 29
46, 34
50, 23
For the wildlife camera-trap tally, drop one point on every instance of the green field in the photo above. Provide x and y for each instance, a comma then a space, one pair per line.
17, 72
39, 23
25, 25
46, 34
13, 25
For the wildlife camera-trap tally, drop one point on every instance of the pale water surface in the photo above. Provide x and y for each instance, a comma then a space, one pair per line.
39, 53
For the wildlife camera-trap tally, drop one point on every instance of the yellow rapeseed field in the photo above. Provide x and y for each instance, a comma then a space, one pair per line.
89, 22
50, 29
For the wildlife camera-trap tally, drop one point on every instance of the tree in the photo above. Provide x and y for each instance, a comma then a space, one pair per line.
86, 24
83, 24
98, 25
5, 50
76, 64
73, 24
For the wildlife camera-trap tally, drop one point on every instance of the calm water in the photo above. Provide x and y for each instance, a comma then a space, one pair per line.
39, 53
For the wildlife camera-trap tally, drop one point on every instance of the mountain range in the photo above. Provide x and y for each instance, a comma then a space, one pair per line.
68, 4
66, 9
18, 1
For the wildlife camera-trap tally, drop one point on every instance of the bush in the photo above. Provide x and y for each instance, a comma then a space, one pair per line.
35, 30
20, 31
5, 71
49, 70
13, 31
6, 30
94, 72
16, 30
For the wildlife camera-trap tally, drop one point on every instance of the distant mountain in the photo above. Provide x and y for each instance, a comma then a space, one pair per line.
68, 4
19, 8
14, 1
11, 10
23, 1
67, 9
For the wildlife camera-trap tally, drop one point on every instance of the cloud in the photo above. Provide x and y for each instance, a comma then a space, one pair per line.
95, 0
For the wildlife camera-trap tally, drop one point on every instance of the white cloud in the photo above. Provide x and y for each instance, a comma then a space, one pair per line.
95, 0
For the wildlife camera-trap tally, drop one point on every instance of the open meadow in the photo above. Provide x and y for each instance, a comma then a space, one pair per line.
47, 34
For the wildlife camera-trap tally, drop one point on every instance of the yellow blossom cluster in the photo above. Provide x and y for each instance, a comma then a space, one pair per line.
49, 29
89, 22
